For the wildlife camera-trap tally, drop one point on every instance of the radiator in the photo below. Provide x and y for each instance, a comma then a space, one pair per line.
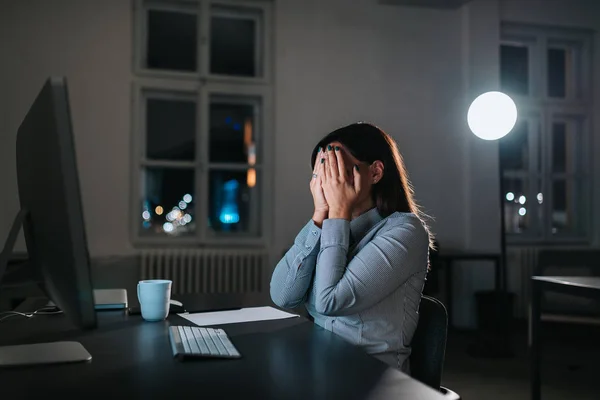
521, 262
206, 270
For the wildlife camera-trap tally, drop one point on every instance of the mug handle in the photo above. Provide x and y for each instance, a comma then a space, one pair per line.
138, 293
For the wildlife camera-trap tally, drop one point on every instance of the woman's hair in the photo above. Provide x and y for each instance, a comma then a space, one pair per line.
368, 143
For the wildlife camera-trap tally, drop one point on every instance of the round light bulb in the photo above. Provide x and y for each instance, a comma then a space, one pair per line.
492, 115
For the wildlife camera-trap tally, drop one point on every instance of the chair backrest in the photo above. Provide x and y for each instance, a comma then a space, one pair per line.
428, 347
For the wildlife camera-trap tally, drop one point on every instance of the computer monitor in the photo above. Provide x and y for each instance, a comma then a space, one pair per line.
51, 213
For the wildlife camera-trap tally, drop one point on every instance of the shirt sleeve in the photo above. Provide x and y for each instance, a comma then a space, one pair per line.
292, 275
379, 268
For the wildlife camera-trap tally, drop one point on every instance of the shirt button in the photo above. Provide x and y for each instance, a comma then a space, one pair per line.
314, 233
308, 247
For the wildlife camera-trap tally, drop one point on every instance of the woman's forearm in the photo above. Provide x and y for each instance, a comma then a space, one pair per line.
292, 275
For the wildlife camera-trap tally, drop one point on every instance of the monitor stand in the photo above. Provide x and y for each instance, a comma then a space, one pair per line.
20, 221
39, 353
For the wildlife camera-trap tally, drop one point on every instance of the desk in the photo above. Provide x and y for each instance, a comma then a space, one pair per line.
449, 257
281, 359
575, 285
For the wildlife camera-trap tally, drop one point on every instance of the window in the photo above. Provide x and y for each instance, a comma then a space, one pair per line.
545, 159
202, 101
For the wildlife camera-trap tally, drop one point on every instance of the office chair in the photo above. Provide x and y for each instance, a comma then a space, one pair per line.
429, 345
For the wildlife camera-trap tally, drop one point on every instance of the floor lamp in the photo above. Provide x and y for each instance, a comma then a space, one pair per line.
492, 116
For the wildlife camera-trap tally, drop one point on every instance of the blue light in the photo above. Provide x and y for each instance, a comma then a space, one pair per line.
229, 217
228, 120
229, 212
231, 186
146, 224
237, 127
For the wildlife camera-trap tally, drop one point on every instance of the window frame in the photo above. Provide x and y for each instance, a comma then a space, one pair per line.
531, 174
260, 52
202, 85
548, 109
203, 10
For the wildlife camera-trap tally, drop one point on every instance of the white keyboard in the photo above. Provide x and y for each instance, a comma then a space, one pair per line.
192, 341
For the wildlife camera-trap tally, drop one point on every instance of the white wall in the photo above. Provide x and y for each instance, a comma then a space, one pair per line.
398, 67
480, 70
90, 43
334, 65
410, 70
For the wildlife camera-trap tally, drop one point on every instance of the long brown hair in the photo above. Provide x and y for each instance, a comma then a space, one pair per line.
368, 143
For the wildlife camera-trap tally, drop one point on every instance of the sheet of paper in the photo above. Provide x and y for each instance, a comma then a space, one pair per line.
236, 316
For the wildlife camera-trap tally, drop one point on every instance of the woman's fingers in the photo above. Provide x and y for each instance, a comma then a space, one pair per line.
332, 162
340, 163
319, 183
323, 171
318, 160
357, 178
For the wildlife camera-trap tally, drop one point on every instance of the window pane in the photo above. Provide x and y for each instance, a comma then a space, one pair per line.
559, 147
170, 129
520, 209
569, 207
514, 69
234, 42
172, 40
566, 147
514, 148
234, 201
168, 203
557, 72
233, 130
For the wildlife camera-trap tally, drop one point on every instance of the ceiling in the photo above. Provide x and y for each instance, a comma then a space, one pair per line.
448, 4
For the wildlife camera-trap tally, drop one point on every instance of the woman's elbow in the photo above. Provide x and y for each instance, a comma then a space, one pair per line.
325, 308
281, 300
276, 297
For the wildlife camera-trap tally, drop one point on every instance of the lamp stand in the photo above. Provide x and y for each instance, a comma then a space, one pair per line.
495, 308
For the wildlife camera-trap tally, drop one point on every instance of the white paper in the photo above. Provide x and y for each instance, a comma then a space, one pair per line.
236, 316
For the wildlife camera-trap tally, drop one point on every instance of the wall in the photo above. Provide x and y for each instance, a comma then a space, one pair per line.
89, 42
395, 66
480, 33
355, 60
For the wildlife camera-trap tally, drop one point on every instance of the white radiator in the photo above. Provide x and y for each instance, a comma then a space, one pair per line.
521, 262
206, 270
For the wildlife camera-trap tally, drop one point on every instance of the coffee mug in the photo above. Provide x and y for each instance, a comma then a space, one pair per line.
154, 296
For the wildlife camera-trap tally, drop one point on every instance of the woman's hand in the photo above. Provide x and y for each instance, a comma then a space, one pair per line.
321, 207
340, 186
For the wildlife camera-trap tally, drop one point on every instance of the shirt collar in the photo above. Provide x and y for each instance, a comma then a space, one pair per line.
362, 224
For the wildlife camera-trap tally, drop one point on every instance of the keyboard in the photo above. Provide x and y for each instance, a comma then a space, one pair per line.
192, 341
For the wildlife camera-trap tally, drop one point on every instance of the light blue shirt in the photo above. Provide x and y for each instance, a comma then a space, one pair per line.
361, 279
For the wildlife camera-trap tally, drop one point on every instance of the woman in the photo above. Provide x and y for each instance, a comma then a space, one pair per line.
359, 264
